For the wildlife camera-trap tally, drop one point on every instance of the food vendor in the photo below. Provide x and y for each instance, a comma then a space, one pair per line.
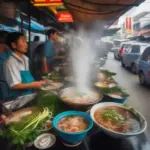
16, 67
49, 51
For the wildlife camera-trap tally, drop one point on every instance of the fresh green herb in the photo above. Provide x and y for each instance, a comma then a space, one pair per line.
52, 76
25, 130
52, 102
113, 115
108, 73
116, 89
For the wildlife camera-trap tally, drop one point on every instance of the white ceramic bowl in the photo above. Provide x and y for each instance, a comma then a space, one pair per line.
114, 133
51, 139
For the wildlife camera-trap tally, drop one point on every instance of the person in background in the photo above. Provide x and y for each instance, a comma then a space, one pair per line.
5, 52
16, 67
49, 51
4, 49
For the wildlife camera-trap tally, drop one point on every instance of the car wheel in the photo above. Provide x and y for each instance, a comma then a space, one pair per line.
142, 78
133, 68
122, 64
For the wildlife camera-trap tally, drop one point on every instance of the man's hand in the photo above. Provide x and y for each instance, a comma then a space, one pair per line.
38, 84
33, 85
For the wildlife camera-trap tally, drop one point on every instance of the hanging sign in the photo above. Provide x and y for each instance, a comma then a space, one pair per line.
128, 24
46, 2
64, 17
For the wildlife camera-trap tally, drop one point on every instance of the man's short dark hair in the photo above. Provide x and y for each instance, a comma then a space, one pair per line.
3, 36
13, 37
51, 32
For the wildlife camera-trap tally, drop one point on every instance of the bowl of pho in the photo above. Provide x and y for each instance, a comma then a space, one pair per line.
115, 94
104, 75
106, 84
117, 120
80, 100
72, 126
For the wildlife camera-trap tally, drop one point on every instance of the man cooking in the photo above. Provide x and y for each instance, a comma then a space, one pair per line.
16, 67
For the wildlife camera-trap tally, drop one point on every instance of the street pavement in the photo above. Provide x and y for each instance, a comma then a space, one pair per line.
139, 95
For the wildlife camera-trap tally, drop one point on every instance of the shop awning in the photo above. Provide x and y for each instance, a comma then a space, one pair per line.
104, 10
34, 25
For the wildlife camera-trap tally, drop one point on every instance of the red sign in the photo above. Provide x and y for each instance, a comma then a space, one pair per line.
128, 24
46, 1
64, 17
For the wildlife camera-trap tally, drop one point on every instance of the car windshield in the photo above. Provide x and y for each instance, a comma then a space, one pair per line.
142, 48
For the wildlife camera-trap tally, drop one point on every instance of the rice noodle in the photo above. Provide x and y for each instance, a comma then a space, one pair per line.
73, 124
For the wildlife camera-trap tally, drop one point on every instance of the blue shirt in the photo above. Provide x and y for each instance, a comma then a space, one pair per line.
4, 56
49, 51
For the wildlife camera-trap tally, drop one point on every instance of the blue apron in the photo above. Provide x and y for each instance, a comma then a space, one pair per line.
26, 77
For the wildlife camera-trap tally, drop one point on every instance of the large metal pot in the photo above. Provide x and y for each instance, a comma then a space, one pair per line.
79, 106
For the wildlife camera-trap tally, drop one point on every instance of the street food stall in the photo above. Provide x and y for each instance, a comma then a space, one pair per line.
62, 116
52, 117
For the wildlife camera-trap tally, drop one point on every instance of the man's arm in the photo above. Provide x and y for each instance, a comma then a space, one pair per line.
46, 55
45, 66
33, 85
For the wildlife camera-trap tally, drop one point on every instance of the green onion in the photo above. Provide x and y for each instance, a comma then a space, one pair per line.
113, 115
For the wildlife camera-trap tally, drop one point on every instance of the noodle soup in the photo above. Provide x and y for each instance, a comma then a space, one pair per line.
73, 96
117, 119
73, 124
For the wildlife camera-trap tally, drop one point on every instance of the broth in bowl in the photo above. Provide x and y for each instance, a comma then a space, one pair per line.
73, 96
106, 84
116, 95
73, 124
117, 119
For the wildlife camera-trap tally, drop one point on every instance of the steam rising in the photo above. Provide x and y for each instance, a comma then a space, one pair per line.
82, 59
85, 52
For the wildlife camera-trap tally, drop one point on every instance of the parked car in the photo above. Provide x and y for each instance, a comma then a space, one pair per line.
116, 44
144, 67
121, 50
131, 56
